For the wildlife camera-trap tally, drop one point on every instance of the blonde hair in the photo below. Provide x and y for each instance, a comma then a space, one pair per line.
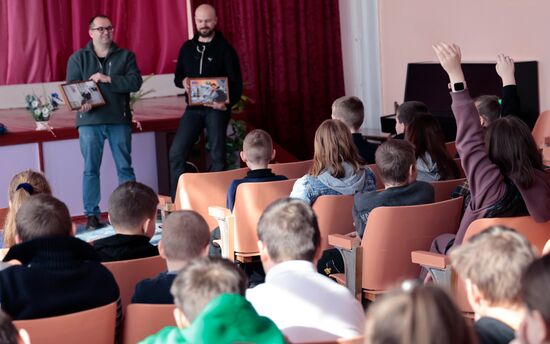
38, 184
333, 146
258, 147
495, 260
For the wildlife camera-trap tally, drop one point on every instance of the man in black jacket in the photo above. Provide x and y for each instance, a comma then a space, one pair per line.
208, 54
117, 74
59, 274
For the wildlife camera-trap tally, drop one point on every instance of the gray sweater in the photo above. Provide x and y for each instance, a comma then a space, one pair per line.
120, 65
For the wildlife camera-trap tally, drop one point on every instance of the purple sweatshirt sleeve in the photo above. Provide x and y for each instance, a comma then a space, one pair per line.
486, 182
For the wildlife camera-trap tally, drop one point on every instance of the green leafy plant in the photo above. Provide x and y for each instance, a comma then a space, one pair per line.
137, 96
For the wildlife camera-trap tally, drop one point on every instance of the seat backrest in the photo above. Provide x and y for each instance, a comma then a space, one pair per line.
542, 128
444, 188
250, 202
537, 234
333, 216
379, 182
143, 320
128, 273
198, 191
451, 148
392, 233
3, 214
91, 326
291, 170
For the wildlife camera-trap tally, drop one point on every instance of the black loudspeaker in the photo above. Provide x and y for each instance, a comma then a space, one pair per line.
427, 82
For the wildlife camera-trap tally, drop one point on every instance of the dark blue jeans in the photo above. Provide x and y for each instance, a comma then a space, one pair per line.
192, 123
92, 139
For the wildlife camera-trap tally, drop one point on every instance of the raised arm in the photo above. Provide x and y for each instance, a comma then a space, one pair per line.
510, 100
486, 182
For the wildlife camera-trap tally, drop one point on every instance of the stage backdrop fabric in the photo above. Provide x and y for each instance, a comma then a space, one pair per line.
38, 36
291, 60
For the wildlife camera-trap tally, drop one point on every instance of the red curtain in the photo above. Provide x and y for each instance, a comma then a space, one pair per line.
291, 61
38, 36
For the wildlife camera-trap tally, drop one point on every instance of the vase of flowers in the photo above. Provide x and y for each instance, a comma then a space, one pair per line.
41, 108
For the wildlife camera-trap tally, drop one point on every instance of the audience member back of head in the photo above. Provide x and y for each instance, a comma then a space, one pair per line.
132, 212
185, 236
59, 274
210, 308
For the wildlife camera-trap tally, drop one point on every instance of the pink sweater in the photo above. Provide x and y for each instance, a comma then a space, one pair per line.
487, 185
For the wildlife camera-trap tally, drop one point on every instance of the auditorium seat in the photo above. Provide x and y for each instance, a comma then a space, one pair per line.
439, 265
391, 234
334, 216
444, 188
3, 214
291, 170
238, 229
128, 273
451, 148
198, 191
143, 320
91, 326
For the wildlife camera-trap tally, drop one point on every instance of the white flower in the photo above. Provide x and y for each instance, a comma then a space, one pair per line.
37, 112
45, 111
34, 103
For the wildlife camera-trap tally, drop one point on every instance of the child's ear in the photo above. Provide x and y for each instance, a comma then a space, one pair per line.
273, 154
181, 319
73, 230
412, 173
243, 156
149, 226
161, 250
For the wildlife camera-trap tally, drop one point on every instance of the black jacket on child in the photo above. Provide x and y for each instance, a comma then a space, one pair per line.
58, 275
123, 247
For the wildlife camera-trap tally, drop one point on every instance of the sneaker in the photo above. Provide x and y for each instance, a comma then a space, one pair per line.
93, 223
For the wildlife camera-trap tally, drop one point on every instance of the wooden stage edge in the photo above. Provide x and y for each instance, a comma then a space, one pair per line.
153, 114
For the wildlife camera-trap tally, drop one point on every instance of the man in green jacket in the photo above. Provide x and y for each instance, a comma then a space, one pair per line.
116, 73
211, 308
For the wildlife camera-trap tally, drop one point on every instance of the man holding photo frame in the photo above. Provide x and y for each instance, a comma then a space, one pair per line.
206, 55
116, 73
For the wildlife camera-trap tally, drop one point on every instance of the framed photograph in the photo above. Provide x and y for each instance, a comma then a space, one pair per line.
208, 90
79, 93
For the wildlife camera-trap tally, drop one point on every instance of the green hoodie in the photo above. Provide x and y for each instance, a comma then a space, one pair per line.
229, 318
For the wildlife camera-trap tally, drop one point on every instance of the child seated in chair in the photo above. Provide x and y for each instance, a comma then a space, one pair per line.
132, 212
211, 308
185, 236
351, 112
257, 153
396, 163
491, 264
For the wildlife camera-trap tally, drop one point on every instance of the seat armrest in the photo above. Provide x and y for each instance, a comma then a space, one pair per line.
346, 242
430, 259
218, 212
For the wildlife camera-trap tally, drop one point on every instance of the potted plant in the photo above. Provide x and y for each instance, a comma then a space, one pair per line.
41, 108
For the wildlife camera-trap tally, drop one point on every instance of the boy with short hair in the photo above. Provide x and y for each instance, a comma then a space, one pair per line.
210, 308
351, 112
257, 153
405, 114
185, 236
59, 274
396, 165
132, 212
491, 264
304, 304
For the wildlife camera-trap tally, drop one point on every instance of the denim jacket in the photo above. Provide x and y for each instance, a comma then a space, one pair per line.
308, 188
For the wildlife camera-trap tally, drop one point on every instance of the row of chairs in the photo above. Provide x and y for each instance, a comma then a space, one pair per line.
98, 326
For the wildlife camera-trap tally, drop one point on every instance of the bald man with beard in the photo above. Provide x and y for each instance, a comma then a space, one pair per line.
207, 54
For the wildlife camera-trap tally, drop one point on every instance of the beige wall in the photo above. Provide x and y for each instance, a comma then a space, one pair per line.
483, 28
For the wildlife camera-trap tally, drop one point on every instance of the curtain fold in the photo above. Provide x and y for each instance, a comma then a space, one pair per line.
38, 36
291, 60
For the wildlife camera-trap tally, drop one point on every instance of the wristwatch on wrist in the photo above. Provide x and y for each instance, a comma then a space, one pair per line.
457, 86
